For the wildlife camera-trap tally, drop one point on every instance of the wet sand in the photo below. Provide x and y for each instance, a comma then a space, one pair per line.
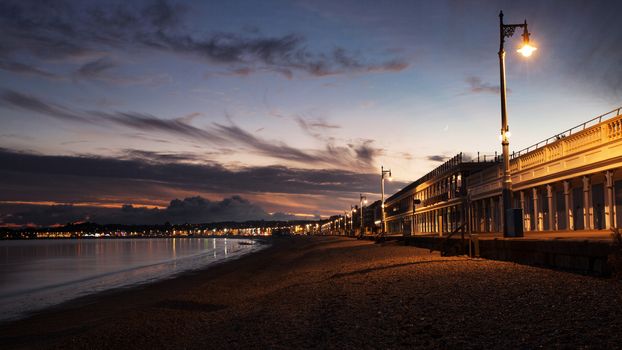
326, 292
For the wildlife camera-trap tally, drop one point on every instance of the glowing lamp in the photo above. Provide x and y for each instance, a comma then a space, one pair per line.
526, 50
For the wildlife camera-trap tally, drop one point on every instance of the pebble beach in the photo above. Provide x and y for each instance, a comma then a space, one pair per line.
329, 292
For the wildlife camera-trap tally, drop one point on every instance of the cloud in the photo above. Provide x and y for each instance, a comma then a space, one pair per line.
188, 210
95, 69
16, 100
280, 54
314, 125
355, 156
40, 215
102, 69
64, 177
477, 86
147, 178
77, 30
160, 157
315, 128
436, 158
271, 149
21, 68
141, 121
366, 152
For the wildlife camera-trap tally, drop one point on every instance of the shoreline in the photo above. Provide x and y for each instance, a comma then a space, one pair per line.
107, 303
78, 289
330, 292
260, 238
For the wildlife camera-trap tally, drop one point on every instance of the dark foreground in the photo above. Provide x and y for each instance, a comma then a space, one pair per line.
340, 293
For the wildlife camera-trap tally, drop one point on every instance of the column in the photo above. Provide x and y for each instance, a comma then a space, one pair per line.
549, 198
484, 216
568, 206
471, 215
609, 201
587, 207
536, 210
522, 206
501, 213
462, 215
476, 216
439, 222
491, 222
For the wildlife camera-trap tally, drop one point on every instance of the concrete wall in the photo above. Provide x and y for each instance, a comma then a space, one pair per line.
586, 257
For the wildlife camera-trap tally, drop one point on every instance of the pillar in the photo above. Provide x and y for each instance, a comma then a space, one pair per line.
485, 216
522, 206
537, 224
568, 206
492, 214
549, 198
501, 213
471, 214
476, 216
587, 207
609, 201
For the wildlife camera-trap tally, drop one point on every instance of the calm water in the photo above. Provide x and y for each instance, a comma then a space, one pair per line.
41, 273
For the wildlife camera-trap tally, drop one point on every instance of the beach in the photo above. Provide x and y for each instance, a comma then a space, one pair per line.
329, 292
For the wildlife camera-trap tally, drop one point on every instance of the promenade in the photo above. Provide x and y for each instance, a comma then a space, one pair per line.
332, 292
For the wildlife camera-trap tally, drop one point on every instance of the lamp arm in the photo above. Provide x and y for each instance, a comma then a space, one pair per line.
507, 30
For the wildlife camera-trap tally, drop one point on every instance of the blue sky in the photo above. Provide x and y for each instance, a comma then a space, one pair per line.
325, 92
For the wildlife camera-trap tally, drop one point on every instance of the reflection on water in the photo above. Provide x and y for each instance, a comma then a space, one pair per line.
40, 273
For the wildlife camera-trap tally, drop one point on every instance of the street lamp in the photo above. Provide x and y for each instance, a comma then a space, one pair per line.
352, 212
506, 31
362, 200
383, 174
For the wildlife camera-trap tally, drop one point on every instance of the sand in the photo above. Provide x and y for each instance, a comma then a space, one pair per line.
327, 292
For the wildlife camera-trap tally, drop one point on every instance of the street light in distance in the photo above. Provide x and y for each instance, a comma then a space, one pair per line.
362, 201
383, 174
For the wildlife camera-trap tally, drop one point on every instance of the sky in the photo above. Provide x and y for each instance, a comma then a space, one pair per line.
182, 111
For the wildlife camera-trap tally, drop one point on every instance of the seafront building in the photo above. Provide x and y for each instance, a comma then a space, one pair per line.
442, 198
571, 181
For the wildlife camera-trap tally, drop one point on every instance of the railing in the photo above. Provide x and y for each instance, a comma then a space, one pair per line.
443, 197
595, 121
444, 244
487, 158
605, 131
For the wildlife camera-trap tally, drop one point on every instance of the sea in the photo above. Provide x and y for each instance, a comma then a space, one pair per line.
38, 274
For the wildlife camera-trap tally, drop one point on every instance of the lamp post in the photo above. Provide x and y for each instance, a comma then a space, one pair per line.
506, 31
383, 173
362, 200
352, 212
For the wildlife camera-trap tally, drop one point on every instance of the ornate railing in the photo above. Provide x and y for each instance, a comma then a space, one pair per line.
605, 131
614, 130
